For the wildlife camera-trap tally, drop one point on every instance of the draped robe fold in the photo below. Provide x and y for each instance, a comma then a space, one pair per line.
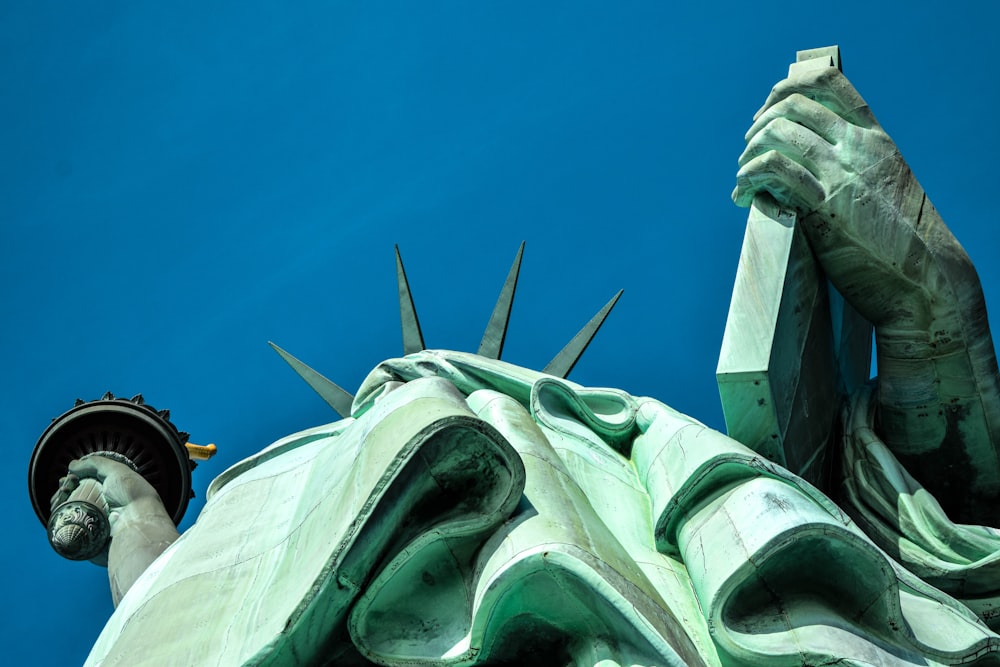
474, 512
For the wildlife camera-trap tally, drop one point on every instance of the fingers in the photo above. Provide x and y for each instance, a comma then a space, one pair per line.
787, 181
795, 142
830, 88
67, 485
88, 467
810, 114
121, 485
799, 137
97, 467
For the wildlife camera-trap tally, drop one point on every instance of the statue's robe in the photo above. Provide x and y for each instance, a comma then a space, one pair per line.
471, 511
903, 518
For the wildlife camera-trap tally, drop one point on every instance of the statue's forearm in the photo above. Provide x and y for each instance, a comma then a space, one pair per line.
817, 149
141, 533
939, 390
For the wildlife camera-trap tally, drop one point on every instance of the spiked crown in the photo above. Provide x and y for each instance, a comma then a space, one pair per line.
490, 347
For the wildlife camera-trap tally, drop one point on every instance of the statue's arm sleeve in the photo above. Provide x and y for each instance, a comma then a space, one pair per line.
939, 390
816, 147
138, 539
141, 528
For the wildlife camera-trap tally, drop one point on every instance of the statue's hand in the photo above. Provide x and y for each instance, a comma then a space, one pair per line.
813, 137
126, 492
67, 485
141, 528
816, 147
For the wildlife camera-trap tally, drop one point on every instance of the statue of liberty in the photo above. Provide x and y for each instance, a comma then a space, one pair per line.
468, 511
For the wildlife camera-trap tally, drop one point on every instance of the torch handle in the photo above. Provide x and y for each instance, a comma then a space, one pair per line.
79, 528
89, 490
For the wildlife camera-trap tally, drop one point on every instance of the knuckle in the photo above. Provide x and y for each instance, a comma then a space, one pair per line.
789, 103
771, 160
769, 135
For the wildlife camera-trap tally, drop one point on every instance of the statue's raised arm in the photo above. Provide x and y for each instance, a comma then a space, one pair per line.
816, 147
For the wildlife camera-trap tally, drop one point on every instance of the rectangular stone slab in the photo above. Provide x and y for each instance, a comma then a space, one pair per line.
792, 347
778, 371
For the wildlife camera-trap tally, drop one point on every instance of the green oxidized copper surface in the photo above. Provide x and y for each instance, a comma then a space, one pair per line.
479, 512
469, 511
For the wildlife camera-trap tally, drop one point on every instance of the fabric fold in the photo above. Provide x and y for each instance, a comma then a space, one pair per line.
900, 515
320, 520
474, 512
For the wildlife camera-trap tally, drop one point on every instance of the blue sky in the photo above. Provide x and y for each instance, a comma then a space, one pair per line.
182, 183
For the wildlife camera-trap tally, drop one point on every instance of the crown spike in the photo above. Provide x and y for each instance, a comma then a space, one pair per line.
337, 398
413, 339
496, 331
563, 363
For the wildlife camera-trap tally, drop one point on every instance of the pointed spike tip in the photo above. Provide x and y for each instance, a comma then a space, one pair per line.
413, 338
337, 398
491, 345
562, 364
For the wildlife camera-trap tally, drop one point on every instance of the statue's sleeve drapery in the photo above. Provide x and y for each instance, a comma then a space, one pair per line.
902, 517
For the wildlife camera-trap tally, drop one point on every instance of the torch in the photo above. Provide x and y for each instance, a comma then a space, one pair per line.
128, 431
